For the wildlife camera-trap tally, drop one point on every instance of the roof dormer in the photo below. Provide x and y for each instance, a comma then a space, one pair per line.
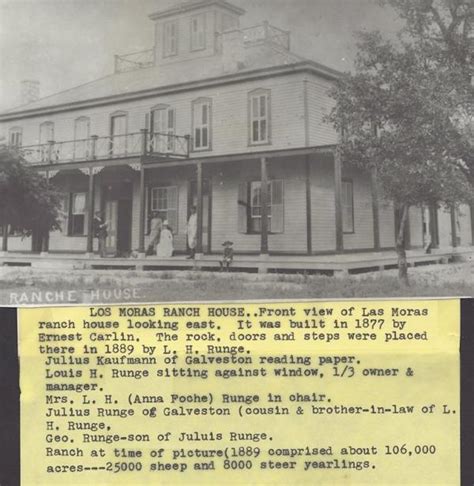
190, 30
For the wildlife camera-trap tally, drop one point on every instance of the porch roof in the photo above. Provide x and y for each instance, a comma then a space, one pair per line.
156, 162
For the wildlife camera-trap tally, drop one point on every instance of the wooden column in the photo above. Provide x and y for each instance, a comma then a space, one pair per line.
5, 238
309, 230
199, 209
264, 206
142, 196
90, 210
141, 222
375, 208
338, 200
454, 242
45, 233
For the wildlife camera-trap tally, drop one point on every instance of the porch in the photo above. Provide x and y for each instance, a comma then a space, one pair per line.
335, 265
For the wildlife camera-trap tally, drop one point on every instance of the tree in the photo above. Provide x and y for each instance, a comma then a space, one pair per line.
444, 31
28, 203
396, 114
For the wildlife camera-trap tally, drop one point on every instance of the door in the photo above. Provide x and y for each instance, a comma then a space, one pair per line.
163, 121
111, 217
118, 131
124, 227
206, 210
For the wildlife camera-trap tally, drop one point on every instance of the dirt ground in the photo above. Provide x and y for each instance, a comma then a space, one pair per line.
26, 286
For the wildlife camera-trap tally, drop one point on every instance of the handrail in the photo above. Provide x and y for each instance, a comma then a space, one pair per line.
108, 147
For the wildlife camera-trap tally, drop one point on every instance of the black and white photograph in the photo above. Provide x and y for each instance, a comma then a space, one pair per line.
155, 150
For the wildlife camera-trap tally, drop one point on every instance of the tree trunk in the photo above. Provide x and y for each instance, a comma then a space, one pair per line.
5, 238
400, 246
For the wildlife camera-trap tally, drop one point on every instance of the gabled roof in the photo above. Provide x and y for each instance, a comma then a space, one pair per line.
194, 5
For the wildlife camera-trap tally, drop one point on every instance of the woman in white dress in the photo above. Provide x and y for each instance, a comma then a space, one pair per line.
165, 246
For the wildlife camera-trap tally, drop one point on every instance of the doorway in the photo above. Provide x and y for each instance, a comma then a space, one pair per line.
117, 206
206, 210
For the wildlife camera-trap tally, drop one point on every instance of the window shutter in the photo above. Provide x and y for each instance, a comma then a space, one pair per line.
243, 207
65, 214
173, 208
277, 207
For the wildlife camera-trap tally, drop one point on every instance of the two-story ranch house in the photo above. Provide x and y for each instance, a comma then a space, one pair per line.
226, 119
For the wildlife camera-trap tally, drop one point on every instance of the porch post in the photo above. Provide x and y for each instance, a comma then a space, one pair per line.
309, 236
375, 208
454, 242
141, 223
338, 200
90, 210
45, 235
199, 210
264, 206
4, 238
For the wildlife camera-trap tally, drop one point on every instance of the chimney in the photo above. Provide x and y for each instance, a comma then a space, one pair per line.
30, 91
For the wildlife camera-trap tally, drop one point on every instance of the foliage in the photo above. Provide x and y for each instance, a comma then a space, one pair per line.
406, 112
27, 201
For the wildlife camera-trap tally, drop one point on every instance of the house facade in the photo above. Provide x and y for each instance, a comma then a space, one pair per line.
225, 119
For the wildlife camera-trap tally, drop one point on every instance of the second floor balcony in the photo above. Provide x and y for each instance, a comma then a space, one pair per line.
136, 144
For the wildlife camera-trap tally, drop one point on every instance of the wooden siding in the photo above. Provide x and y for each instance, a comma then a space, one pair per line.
363, 235
323, 205
230, 130
225, 184
387, 224
319, 105
464, 229
416, 227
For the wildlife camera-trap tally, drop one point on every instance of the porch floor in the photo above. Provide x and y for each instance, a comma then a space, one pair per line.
339, 264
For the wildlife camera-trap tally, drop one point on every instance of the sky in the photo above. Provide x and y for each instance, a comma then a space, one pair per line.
64, 43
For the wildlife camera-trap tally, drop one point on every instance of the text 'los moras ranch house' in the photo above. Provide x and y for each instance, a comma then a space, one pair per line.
208, 117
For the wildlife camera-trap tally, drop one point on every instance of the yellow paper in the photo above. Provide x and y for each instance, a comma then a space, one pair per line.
329, 393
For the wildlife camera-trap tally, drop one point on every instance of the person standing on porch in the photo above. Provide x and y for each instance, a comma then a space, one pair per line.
165, 246
100, 232
156, 226
191, 232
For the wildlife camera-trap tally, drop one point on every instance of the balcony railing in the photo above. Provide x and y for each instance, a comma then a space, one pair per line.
100, 148
134, 60
267, 33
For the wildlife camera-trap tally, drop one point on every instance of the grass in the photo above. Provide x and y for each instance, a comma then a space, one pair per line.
432, 281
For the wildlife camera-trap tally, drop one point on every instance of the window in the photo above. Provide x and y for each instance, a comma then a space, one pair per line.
46, 132
202, 124
347, 207
15, 138
198, 32
250, 207
81, 138
259, 115
164, 202
118, 132
170, 43
77, 214
46, 136
162, 129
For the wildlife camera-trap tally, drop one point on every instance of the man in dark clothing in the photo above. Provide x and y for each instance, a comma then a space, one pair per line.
100, 232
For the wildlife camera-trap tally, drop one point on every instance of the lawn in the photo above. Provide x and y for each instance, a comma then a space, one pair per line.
19, 285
